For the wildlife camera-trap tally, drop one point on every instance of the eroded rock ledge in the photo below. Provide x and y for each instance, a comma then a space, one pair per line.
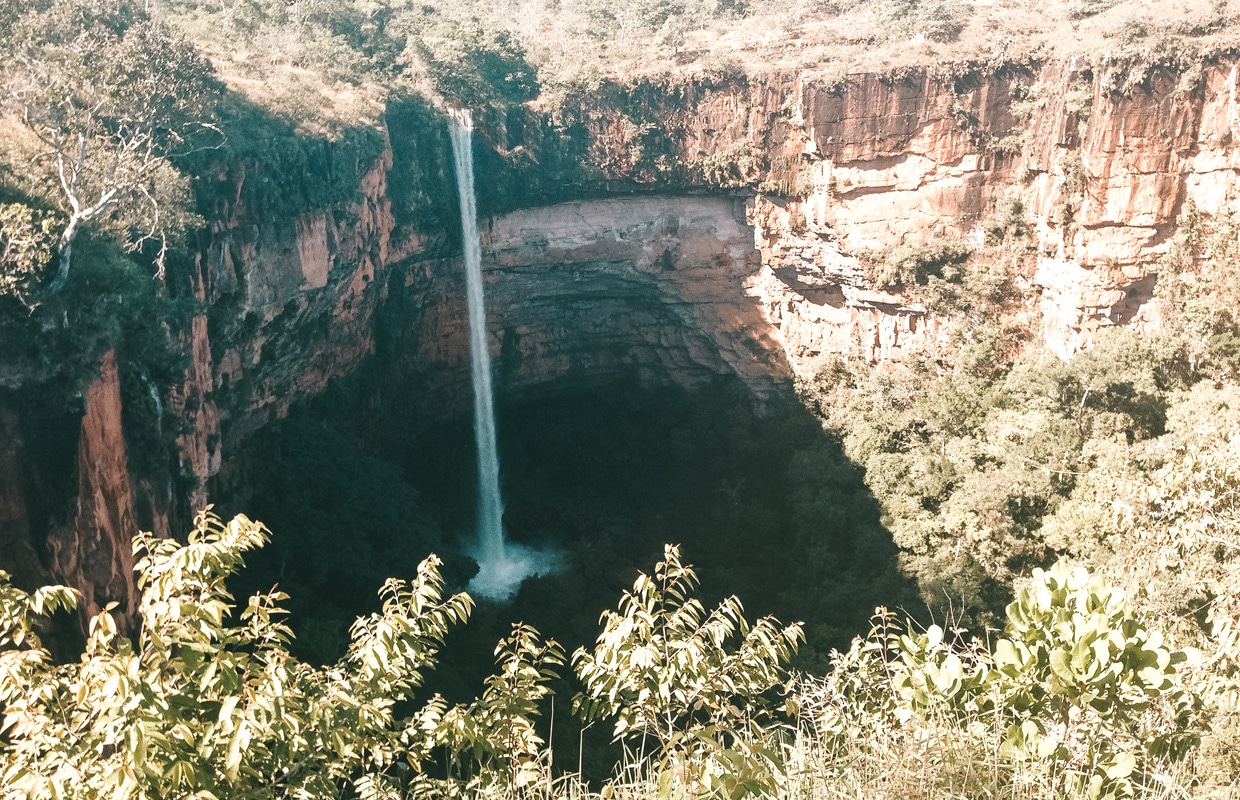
579, 293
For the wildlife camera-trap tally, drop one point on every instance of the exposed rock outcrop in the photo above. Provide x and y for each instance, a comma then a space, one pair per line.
292, 302
82, 540
658, 288
95, 554
1102, 159
678, 286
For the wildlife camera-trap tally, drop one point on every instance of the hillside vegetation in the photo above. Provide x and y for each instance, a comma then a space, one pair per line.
337, 57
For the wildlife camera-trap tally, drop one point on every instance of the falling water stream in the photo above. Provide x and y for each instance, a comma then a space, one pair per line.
501, 565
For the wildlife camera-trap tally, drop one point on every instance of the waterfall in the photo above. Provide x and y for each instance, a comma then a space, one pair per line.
490, 504
501, 567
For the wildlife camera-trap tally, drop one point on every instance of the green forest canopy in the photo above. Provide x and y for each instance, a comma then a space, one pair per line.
1079, 697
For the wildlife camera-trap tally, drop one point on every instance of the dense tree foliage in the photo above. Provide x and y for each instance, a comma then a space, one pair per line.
109, 96
1080, 697
98, 102
1121, 457
207, 701
201, 703
967, 472
27, 244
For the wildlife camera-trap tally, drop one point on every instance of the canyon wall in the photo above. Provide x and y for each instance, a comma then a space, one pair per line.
672, 233
654, 288
85, 543
1103, 161
1100, 159
686, 230
93, 554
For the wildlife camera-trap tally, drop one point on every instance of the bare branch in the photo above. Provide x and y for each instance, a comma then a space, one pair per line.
74, 91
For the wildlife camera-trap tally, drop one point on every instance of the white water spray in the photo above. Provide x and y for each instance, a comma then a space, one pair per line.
501, 566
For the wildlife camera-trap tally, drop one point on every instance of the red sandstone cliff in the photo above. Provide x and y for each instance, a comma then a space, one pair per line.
94, 555
1103, 162
85, 543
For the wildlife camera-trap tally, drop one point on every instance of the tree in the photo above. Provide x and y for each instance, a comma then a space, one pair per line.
112, 97
199, 705
662, 667
493, 740
470, 60
27, 241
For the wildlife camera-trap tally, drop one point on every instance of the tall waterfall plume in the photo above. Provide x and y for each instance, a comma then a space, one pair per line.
491, 505
502, 566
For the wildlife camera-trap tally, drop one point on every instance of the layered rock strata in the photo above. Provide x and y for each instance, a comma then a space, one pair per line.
678, 286
585, 292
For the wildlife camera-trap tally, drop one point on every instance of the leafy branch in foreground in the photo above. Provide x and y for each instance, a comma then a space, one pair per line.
493, 740
197, 706
1078, 698
207, 701
663, 668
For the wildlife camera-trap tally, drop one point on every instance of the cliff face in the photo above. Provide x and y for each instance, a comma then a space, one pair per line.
656, 288
623, 238
1103, 163
93, 554
84, 543
624, 233
291, 304
670, 233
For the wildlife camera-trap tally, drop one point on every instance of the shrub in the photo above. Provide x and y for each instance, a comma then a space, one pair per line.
662, 669
202, 705
1010, 220
494, 744
910, 265
1078, 699
207, 701
1088, 8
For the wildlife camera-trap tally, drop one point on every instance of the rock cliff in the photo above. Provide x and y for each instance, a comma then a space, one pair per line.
94, 554
657, 288
84, 543
670, 232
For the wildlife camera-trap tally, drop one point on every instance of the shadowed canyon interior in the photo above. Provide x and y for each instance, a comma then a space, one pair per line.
613, 286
